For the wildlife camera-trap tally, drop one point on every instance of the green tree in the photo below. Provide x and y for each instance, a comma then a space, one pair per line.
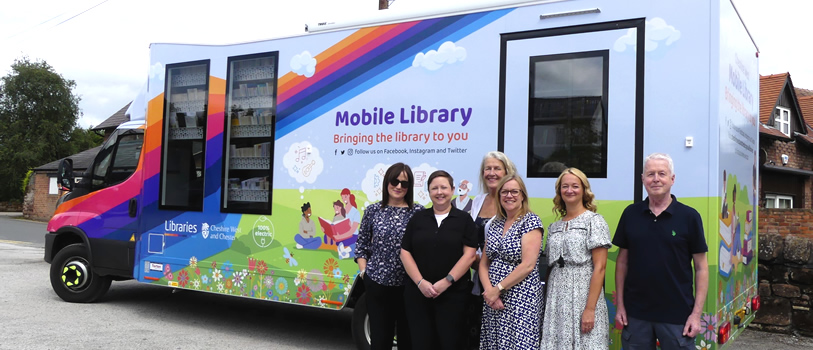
38, 115
83, 139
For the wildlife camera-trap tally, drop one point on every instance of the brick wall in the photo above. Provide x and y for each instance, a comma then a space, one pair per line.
11, 206
785, 270
39, 205
800, 156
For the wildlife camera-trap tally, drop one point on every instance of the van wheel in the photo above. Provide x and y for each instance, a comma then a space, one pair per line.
73, 278
361, 324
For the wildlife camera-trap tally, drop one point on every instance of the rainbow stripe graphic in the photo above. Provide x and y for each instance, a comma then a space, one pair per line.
364, 59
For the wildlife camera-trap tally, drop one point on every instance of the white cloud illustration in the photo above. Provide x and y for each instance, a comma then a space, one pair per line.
303, 64
157, 71
303, 162
448, 53
657, 32
373, 181
421, 173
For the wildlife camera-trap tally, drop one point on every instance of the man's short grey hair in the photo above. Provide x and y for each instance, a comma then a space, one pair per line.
661, 156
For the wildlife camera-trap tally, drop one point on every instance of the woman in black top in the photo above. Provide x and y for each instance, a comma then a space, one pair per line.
437, 249
377, 250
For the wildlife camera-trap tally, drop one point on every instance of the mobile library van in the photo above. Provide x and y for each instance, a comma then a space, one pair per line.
224, 180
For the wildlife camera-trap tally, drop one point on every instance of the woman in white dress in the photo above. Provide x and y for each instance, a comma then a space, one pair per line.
575, 310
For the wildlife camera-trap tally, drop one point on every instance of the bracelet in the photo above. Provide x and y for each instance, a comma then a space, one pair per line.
419, 282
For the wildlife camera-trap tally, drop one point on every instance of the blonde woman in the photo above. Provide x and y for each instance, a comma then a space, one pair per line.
576, 312
509, 272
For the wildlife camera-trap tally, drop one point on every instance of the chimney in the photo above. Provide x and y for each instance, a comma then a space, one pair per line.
383, 4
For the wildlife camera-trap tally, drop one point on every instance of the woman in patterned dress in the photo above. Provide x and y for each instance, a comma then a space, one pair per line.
493, 168
509, 272
378, 252
575, 310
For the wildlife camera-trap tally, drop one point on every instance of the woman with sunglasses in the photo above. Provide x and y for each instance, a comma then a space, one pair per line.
378, 252
575, 309
437, 251
509, 272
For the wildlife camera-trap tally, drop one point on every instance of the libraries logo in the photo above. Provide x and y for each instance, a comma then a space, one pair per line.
204, 229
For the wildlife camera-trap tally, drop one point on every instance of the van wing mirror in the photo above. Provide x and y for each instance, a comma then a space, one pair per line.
64, 176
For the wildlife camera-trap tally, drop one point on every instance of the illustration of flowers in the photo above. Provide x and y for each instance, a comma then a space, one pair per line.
281, 285
228, 269
253, 277
303, 294
301, 275
708, 324
183, 278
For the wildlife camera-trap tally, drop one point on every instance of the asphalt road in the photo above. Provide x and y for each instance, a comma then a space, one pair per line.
133, 315
14, 228
138, 316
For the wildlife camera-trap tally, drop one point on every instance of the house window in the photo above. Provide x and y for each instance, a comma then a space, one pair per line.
782, 120
52, 186
778, 201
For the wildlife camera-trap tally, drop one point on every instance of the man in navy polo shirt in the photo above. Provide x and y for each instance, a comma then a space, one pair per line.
659, 239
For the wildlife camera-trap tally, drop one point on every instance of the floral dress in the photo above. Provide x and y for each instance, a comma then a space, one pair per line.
568, 286
517, 326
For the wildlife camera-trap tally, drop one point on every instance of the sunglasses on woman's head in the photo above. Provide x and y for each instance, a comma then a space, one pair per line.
394, 182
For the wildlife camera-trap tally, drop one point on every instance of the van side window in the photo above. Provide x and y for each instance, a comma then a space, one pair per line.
251, 108
567, 111
183, 155
122, 150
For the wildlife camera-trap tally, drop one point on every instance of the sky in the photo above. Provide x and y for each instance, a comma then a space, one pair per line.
103, 45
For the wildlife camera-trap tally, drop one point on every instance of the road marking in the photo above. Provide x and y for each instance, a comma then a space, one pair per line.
19, 243
13, 242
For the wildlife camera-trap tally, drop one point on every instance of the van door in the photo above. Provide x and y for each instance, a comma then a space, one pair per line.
573, 97
116, 184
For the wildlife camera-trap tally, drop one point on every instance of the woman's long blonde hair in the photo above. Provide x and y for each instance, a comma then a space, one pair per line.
588, 197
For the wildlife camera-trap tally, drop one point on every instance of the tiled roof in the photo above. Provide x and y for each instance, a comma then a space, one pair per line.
806, 105
805, 138
803, 92
81, 161
114, 120
770, 131
770, 87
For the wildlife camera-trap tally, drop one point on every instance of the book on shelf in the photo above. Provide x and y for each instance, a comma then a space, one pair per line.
234, 183
255, 90
255, 183
264, 118
257, 150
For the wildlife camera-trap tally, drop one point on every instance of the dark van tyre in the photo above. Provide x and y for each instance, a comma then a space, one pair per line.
73, 278
361, 324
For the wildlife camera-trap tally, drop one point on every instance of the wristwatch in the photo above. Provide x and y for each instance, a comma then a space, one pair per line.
500, 287
450, 278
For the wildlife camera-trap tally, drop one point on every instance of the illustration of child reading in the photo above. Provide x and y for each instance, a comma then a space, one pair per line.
346, 241
306, 238
731, 242
748, 244
339, 214
338, 230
